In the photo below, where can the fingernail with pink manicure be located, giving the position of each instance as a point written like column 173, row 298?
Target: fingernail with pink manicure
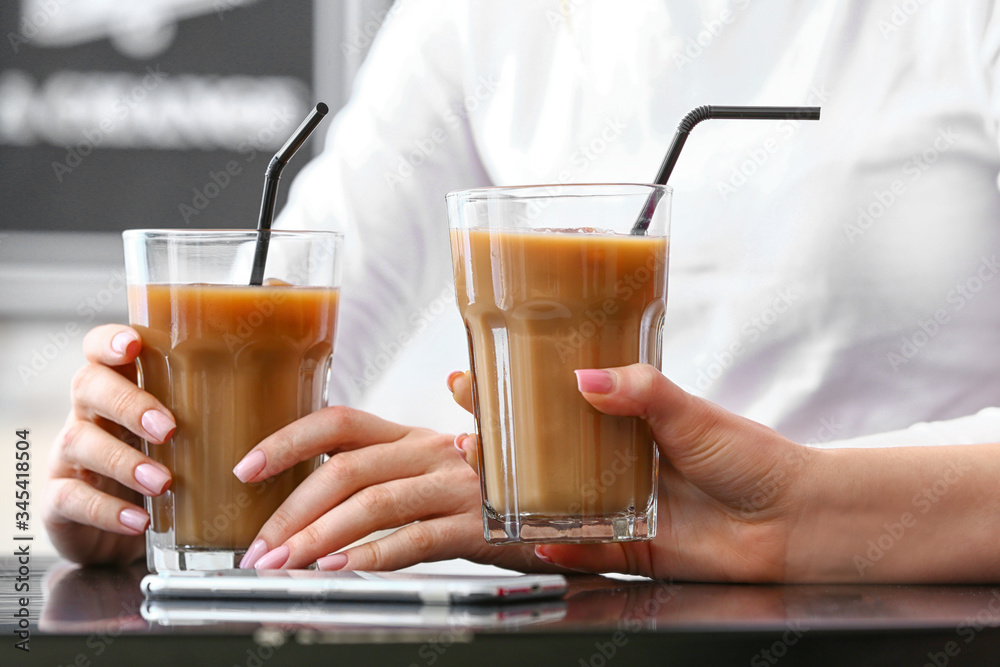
column 133, row 519
column 334, row 562
column 250, row 466
column 273, row 559
column 253, row 554
column 121, row 342
column 151, row 478
column 458, row 441
column 542, row 556
column 157, row 424
column 594, row 381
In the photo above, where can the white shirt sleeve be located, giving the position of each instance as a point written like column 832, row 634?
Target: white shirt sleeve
column 984, row 426
column 979, row 429
column 391, row 155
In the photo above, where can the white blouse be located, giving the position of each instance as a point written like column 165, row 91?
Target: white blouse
column 831, row 279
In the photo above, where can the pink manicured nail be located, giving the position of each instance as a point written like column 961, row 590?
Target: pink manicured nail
column 121, row 342
column 274, row 559
column 334, row 562
column 157, row 424
column 251, row 464
column 451, row 379
column 133, row 519
column 151, row 478
column 594, row 381
column 253, row 554
column 458, row 442
column 540, row 555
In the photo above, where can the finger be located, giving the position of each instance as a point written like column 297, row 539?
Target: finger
column 86, row 445
column 585, row 557
column 327, row 430
column 421, row 542
column 468, row 445
column 460, row 385
column 698, row 437
column 436, row 539
column 343, row 475
column 99, row 390
column 389, row 505
column 75, row 501
column 112, row 345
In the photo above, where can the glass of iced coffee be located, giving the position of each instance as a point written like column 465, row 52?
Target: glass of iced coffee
column 549, row 280
column 233, row 363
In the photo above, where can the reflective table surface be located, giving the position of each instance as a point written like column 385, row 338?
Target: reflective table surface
column 97, row 616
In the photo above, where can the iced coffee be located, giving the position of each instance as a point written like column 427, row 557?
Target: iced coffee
column 234, row 364
column 540, row 302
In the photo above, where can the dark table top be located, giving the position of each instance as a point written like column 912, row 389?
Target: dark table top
column 97, row 616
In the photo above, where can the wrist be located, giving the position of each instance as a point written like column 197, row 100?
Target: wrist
column 824, row 511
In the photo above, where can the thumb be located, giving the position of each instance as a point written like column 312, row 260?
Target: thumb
column 592, row 558
column 460, row 385
column 722, row 453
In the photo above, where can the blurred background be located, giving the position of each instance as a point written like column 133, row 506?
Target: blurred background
column 115, row 115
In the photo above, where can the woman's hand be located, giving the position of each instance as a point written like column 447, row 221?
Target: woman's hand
column 730, row 489
column 97, row 476
column 380, row 475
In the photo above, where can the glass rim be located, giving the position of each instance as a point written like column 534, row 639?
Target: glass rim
column 194, row 233
column 493, row 191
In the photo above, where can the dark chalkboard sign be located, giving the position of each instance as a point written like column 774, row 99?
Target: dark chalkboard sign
column 159, row 113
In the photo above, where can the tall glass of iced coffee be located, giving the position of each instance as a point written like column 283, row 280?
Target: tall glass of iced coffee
column 549, row 280
column 234, row 364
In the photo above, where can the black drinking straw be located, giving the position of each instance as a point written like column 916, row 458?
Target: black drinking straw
column 271, row 177
column 688, row 123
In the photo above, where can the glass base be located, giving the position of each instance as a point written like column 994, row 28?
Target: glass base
column 554, row 529
column 163, row 555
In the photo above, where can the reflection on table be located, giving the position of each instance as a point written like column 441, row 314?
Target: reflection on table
column 85, row 599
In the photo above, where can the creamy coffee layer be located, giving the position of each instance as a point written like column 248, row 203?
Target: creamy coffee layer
column 233, row 364
column 538, row 305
